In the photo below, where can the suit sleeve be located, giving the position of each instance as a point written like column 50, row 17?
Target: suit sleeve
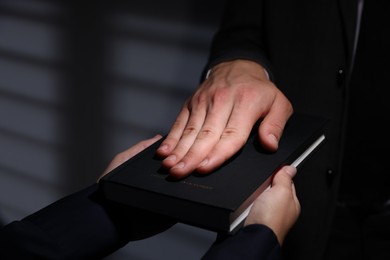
column 85, row 226
column 80, row 226
column 241, row 35
column 251, row 242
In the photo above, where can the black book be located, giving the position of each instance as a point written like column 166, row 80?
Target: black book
column 221, row 200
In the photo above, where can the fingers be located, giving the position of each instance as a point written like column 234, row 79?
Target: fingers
column 277, row 207
column 272, row 126
column 129, row 153
column 199, row 158
column 283, row 179
column 226, row 120
column 231, row 139
column 217, row 120
column 207, row 119
column 284, row 176
column 224, row 131
column 296, row 201
column 174, row 135
column 239, row 126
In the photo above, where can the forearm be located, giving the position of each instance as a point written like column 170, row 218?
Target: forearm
column 80, row 226
column 251, row 242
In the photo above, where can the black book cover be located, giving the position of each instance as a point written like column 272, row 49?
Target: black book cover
column 221, row 200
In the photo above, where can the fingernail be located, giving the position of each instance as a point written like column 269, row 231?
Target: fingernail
column 204, row 163
column 290, row 170
column 273, row 140
column 171, row 158
column 180, row 165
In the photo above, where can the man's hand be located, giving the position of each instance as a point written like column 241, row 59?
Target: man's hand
column 215, row 122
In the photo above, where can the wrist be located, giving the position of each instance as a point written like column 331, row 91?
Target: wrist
column 242, row 64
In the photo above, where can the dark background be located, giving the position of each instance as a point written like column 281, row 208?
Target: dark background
column 81, row 81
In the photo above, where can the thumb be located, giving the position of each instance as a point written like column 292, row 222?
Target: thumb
column 271, row 128
column 284, row 176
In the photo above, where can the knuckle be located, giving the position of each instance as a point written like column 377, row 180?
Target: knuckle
column 236, row 140
column 190, row 130
column 221, row 95
column 198, row 99
column 234, row 134
column 206, row 132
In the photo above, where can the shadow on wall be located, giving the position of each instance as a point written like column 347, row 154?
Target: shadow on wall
column 121, row 57
column 80, row 82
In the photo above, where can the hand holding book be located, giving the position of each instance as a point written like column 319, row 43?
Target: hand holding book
column 277, row 207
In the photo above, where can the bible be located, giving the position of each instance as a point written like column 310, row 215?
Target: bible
column 221, row 200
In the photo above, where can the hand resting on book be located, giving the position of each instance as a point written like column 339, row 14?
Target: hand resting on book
column 215, row 122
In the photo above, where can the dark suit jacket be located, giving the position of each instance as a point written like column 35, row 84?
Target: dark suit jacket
column 82, row 225
column 85, row 226
column 307, row 47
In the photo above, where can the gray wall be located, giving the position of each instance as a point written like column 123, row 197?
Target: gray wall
column 82, row 82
